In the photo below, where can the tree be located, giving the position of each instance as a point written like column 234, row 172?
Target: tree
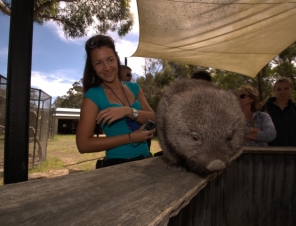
column 230, row 80
column 151, row 66
column 78, row 16
column 159, row 74
column 181, row 70
column 284, row 64
column 72, row 99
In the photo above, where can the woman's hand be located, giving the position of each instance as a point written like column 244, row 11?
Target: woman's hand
column 112, row 114
column 141, row 135
column 252, row 134
column 254, row 130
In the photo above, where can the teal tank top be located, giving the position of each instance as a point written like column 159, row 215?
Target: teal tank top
column 118, row 127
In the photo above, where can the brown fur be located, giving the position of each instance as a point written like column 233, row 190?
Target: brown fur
column 200, row 127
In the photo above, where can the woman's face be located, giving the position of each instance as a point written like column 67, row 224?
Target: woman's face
column 104, row 62
column 244, row 98
column 282, row 91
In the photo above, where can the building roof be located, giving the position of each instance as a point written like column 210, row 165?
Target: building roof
column 68, row 110
column 67, row 113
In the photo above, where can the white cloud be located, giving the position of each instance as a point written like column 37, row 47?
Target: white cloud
column 3, row 61
column 124, row 47
column 58, row 30
column 54, row 84
column 4, row 52
column 57, row 83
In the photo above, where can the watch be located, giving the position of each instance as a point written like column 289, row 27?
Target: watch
column 135, row 114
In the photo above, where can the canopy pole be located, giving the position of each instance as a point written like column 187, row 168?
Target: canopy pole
column 260, row 82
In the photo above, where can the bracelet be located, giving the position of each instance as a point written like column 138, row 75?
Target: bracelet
column 130, row 139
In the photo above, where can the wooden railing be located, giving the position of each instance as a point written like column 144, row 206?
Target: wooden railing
column 144, row 193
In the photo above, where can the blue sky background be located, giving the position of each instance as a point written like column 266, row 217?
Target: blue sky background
column 57, row 62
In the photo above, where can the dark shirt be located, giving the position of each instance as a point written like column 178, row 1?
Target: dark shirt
column 284, row 122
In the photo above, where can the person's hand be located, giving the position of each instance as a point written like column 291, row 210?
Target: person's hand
column 254, row 130
column 112, row 114
column 252, row 134
column 141, row 135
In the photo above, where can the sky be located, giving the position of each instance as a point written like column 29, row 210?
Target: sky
column 57, row 62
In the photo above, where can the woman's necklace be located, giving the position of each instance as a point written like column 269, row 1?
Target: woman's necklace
column 116, row 95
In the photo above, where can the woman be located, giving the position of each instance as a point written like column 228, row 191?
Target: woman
column 283, row 113
column 115, row 105
column 259, row 127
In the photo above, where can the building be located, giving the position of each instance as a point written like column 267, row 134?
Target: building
column 65, row 120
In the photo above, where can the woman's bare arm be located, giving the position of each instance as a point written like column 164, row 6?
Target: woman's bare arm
column 85, row 140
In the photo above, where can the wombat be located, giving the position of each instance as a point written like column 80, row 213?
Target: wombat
column 200, row 127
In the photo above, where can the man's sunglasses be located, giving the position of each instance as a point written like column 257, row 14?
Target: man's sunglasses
column 243, row 96
column 128, row 75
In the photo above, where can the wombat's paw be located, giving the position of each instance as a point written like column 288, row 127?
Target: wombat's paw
column 175, row 167
column 212, row 176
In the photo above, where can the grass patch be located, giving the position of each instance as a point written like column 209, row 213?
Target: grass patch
column 62, row 154
column 47, row 165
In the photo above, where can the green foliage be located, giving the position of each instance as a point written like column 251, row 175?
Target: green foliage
column 152, row 92
column 159, row 74
column 181, row 70
column 284, row 64
column 230, row 80
column 78, row 16
column 72, row 99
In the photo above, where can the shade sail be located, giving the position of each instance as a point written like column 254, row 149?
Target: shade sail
column 235, row 35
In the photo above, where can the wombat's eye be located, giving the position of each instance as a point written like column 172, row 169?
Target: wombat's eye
column 229, row 138
column 196, row 140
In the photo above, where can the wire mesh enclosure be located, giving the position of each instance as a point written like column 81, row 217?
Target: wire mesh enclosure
column 39, row 124
column 40, row 116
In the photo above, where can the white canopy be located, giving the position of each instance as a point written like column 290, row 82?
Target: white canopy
column 235, row 35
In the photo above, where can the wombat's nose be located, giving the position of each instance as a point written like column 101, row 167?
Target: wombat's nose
column 216, row 165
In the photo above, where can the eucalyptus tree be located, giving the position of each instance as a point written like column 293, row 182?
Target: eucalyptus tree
column 181, row 70
column 72, row 99
column 231, row 80
column 284, row 64
column 78, row 16
column 151, row 91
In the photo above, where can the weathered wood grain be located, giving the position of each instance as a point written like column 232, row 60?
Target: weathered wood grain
column 269, row 150
column 138, row 193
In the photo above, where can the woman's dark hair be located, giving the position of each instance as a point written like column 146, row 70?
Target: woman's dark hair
column 204, row 75
column 90, row 79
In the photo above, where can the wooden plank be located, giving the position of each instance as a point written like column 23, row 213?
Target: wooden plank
column 138, row 193
column 269, row 150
